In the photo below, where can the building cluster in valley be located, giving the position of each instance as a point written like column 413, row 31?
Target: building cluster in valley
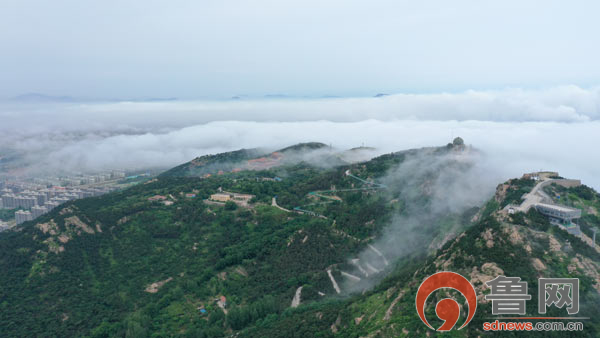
column 32, row 203
column 81, row 179
column 35, row 197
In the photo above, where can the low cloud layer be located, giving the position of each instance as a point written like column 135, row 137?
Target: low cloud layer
column 557, row 104
column 519, row 130
column 430, row 186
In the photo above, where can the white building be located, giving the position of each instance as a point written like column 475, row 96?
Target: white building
column 23, row 216
column 558, row 213
column 38, row 211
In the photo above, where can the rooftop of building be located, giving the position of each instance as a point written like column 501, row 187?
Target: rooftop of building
column 557, row 207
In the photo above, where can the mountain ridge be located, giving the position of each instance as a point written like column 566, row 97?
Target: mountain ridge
column 164, row 257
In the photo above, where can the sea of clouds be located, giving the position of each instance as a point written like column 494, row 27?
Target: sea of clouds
column 519, row 130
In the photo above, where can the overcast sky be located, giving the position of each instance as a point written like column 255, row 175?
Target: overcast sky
column 217, row 49
column 517, row 79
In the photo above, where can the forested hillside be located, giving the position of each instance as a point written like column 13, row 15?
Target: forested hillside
column 167, row 258
column 523, row 245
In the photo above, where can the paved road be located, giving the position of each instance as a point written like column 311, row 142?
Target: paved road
column 536, row 195
column 274, row 203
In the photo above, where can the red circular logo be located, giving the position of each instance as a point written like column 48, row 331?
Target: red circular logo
column 446, row 309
